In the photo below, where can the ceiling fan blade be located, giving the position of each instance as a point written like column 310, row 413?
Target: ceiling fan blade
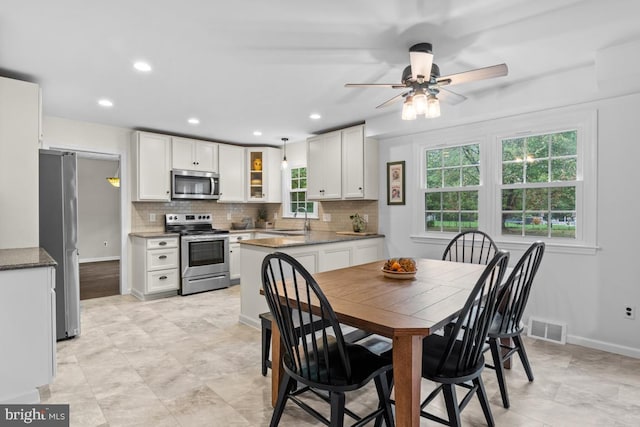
column 421, row 58
column 473, row 75
column 392, row 100
column 389, row 85
column 450, row 97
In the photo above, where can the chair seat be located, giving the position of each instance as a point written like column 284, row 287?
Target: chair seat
column 364, row 366
column 509, row 330
column 433, row 347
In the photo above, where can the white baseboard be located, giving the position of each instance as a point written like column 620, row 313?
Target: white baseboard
column 106, row 258
column 604, row 346
column 249, row 321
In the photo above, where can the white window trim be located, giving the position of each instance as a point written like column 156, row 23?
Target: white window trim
column 286, row 190
column 489, row 205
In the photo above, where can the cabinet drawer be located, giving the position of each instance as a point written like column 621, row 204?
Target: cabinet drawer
column 233, row 238
column 162, row 280
column 160, row 243
column 159, row 259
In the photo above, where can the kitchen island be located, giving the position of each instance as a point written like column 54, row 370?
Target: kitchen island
column 317, row 251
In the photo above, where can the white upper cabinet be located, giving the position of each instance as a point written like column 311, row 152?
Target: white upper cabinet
column 232, row 173
column 324, row 166
column 359, row 165
column 152, row 167
column 264, row 175
column 195, row 155
column 342, row 164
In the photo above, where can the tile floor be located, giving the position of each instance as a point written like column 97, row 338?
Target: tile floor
column 186, row 361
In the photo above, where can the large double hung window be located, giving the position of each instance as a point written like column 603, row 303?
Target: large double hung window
column 452, row 183
column 522, row 179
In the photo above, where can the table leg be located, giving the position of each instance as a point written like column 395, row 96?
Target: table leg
column 407, row 373
column 276, row 362
column 507, row 342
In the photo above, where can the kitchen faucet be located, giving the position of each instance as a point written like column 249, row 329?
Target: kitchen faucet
column 307, row 224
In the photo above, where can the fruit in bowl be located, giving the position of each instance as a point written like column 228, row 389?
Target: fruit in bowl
column 400, row 265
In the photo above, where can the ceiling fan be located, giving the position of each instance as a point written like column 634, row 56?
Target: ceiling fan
column 424, row 83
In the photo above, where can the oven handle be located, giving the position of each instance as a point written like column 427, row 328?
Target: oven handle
column 206, row 237
column 219, row 276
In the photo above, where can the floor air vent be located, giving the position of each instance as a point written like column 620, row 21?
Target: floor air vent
column 546, row 330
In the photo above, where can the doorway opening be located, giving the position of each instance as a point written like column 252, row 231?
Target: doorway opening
column 99, row 225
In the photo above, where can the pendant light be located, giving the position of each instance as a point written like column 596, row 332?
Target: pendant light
column 284, row 163
column 115, row 180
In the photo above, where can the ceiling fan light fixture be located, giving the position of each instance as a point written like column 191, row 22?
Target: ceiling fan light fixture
column 433, row 107
column 420, row 102
column 408, row 112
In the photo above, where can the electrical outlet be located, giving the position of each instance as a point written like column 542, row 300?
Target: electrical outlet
column 275, row 215
column 326, row 217
column 629, row 312
column 106, row 243
column 152, row 218
column 366, row 217
column 228, row 216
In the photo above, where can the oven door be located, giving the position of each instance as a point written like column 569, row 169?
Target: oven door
column 204, row 254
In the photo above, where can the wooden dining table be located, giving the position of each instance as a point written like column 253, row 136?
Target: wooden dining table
column 404, row 310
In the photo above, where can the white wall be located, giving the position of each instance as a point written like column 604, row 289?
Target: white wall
column 85, row 136
column 98, row 210
column 19, row 132
column 588, row 292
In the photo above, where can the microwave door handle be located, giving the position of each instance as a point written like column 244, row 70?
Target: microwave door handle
column 213, row 186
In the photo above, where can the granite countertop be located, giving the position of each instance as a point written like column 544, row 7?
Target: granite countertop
column 152, row 234
column 14, row 259
column 313, row 238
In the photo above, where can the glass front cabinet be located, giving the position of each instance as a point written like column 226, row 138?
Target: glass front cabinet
column 265, row 175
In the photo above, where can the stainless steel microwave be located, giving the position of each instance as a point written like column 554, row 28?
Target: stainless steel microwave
column 194, row 185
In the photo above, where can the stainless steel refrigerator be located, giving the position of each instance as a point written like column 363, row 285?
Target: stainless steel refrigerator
column 59, row 234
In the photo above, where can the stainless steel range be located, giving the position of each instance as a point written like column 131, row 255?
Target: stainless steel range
column 204, row 252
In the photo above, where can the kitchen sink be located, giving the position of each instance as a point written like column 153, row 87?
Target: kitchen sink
column 290, row 232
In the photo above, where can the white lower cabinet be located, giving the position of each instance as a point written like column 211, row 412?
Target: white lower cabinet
column 28, row 331
column 234, row 255
column 156, row 265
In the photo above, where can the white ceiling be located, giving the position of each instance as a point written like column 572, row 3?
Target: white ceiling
column 244, row 65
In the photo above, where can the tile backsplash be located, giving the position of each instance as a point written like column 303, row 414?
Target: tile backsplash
column 141, row 213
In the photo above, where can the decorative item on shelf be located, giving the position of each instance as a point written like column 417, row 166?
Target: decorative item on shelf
column 358, row 222
column 257, row 164
column 284, row 163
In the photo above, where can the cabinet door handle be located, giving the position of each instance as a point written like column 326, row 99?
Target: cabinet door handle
column 163, row 243
column 162, row 257
column 360, row 188
column 162, row 278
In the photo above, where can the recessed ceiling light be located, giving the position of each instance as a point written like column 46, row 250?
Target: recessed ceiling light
column 142, row 66
column 257, row 133
column 315, row 116
column 105, row 103
column 194, row 121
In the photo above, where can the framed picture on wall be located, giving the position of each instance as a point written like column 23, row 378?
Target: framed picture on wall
column 395, row 183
